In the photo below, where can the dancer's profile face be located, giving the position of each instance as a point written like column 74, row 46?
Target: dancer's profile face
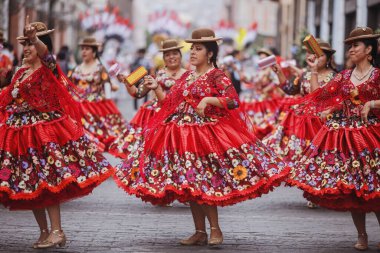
column 358, row 51
column 87, row 53
column 30, row 52
column 198, row 54
column 172, row 59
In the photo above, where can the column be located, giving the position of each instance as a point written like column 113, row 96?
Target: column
column 325, row 20
column 311, row 17
column 338, row 31
column 361, row 12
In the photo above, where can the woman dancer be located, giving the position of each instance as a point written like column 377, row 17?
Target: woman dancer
column 340, row 169
column 197, row 149
column 264, row 106
column 100, row 116
column 295, row 132
column 166, row 77
column 45, row 159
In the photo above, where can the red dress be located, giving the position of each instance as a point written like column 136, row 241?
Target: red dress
column 45, row 158
column 132, row 135
column 212, row 160
column 341, row 167
column 101, row 119
column 295, row 131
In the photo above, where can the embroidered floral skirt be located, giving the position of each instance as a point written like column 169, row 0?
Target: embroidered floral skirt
column 102, row 121
column 293, row 135
column 214, row 163
column 263, row 114
column 45, row 160
column 131, row 137
column 340, row 169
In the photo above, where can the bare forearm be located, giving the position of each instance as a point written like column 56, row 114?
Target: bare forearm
column 213, row 101
column 159, row 93
column 314, row 81
column 40, row 47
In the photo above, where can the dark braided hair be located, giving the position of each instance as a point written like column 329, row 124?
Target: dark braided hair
column 214, row 48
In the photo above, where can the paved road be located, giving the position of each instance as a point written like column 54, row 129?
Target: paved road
column 110, row 221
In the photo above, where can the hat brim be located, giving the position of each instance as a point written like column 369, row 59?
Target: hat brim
column 90, row 44
column 328, row 49
column 264, row 52
column 369, row 36
column 170, row 48
column 38, row 34
column 203, row 40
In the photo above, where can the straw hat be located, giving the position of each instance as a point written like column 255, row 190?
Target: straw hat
column 90, row 42
column 264, row 51
column 41, row 30
column 202, row 35
column 360, row 33
column 325, row 46
column 168, row 45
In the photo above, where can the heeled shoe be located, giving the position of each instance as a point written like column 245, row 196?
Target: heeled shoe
column 56, row 238
column 43, row 231
column 362, row 243
column 195, row 239
column 216, row 240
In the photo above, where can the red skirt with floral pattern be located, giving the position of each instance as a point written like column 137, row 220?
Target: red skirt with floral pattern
column 340, row 169
column 45, row 160
column 208, row 161
column 293, row 136
column 102, row 121
column 131, row 137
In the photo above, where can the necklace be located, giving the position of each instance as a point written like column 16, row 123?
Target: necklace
column 172, row 74
column 361, row 78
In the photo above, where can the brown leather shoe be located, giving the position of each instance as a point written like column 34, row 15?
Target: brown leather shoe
column 214, row 241
column 199, row 238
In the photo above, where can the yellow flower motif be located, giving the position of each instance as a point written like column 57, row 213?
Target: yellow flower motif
column 355, row 164
column 104, row 76
column 93, row 158
column 335, row 126
column 73, row 158
column 240, row 172
column 50, row 160
column 45, row 115
column 372, row 163
column 218, row 194
column 89, row 152
column 99, row 131
column 134, row 172
column 154, row 173
column 129, row 138
column 329, row 116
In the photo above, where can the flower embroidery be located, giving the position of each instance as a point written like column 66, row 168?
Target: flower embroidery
column 240, row 172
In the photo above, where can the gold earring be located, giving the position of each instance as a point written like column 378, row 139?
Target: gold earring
column 208, row 60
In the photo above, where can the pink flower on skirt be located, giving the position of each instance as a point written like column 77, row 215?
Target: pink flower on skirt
column 5, row 174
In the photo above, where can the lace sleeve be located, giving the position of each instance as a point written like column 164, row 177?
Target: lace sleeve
column 292, row 87
column 49, row 61
column 328, row 97
column 226, row 92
